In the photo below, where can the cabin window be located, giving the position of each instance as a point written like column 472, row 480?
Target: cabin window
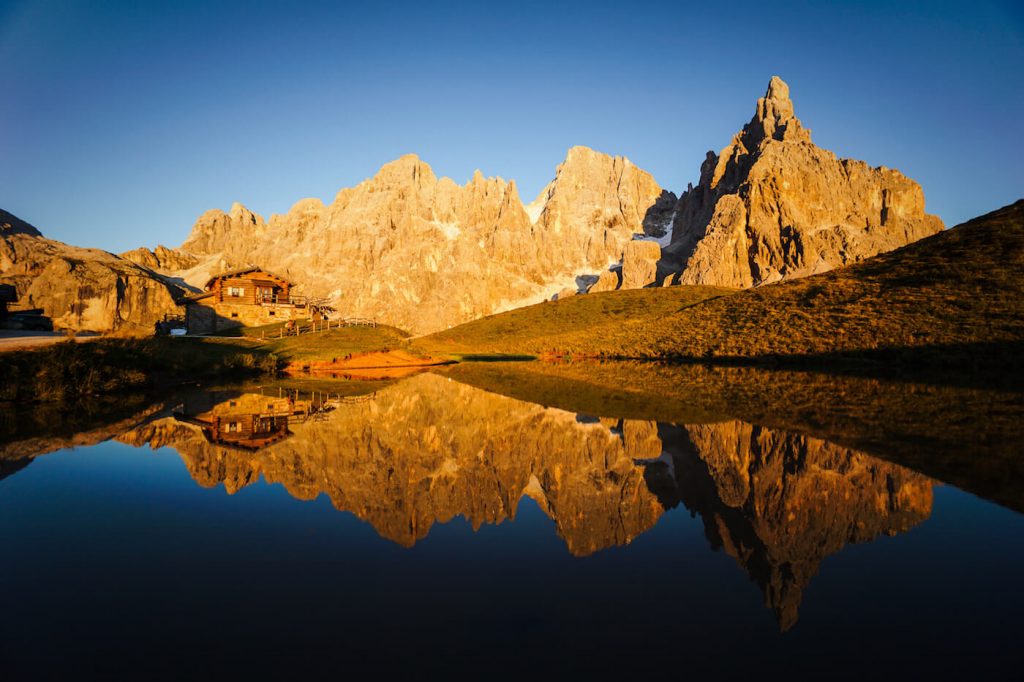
column 236, row 292
column 272, row 313
column 234, row 314
column 232, row 404
column 232, row 427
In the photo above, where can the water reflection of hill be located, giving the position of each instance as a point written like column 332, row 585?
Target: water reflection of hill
column 949, row 427
column 429, row 449
column 779, row 503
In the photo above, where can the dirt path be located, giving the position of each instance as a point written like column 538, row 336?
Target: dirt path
column 20, row 340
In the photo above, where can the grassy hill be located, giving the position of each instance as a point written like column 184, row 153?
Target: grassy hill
column 955, row 297
column 336, row 343
column 547, row 326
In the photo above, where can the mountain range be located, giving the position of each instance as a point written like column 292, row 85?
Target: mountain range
column 424, row 253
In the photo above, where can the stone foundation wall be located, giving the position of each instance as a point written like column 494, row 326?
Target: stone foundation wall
column 209, row 318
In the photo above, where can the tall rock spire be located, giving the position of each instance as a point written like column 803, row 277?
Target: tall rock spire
column 774, row 206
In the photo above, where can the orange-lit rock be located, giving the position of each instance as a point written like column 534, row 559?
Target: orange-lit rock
column 772, row 205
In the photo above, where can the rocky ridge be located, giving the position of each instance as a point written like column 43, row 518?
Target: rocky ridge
column 424, row 253
column 81, row 289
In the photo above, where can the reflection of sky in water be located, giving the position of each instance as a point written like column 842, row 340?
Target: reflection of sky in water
column 112, row 552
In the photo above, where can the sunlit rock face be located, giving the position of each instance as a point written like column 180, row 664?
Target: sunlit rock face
column 161, row 258
column 779, row 503
column 772, row 205
column 423, row 253
column 81, row 289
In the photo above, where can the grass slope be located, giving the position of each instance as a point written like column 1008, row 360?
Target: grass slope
column 336, row 343
column 956, row 296
column 550, row 326
column 70, row 371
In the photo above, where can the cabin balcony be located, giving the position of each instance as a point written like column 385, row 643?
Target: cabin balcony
column 282, row 300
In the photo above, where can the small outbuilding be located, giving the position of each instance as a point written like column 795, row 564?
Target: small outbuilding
column 8, row 294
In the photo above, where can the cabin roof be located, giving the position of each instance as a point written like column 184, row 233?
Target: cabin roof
column 245, row 271
column 192, row 298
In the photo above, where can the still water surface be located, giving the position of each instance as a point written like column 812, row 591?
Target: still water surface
column 430, row 525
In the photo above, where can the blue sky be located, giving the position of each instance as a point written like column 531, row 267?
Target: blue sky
column 121, row 122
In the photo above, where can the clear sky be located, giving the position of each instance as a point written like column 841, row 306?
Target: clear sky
column 121, row 122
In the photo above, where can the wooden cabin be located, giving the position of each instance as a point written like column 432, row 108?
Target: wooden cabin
column 250, row 286
column 248, row 297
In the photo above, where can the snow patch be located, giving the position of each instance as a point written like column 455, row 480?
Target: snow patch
column 450, row 230
column 535, row 208
column 548, row 291
column 665, row 239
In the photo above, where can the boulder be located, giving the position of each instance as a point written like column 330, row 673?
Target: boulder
column 82, row 289
column 640, row 264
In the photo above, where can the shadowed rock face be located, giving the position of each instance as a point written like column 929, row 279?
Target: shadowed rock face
column 423, row 253
column 427, row 450
column 81, row 289
column 772, row 205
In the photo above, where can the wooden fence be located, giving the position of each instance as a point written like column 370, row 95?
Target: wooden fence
column 317, row 327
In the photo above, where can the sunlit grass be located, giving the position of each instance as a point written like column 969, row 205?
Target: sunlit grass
column 337, row 343
column 938, row 299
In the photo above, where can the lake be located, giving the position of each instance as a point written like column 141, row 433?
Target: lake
column 512, row 519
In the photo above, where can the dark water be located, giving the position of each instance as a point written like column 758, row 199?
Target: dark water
column 430, row 526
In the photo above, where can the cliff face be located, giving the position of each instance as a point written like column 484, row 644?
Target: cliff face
column 423, row 253
column 81, row 289
column 774, row 206
column 595, row 206
column 426, row 450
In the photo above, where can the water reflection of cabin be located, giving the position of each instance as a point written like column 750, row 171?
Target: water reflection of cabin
column 249, row 422
column 246, row 297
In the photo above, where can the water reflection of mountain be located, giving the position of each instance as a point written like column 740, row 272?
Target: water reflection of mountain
column 429, row 449
column 779, row 503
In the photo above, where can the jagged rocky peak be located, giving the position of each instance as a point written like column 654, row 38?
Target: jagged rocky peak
column 774, row 206
column 218, row 232
column 775, row 118
column 609, row 197
column 407, row 169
